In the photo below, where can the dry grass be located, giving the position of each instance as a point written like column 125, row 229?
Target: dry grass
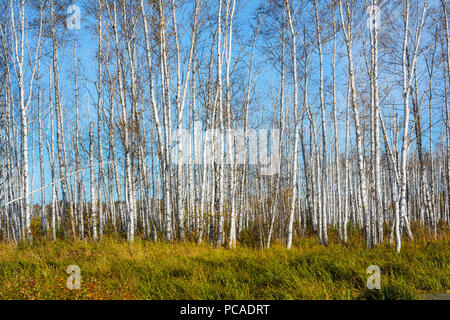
column 114, row 269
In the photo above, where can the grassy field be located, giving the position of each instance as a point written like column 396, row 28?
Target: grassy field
column 113, row 269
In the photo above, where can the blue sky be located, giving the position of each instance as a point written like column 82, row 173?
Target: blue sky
column 267, row 79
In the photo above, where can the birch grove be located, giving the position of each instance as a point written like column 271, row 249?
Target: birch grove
column 225, row 121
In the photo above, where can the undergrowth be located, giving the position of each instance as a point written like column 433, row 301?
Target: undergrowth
column 114, row 269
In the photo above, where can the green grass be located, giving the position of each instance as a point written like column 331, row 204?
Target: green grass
column 114, row 269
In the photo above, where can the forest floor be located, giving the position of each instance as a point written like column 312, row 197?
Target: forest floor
column 114, row 269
